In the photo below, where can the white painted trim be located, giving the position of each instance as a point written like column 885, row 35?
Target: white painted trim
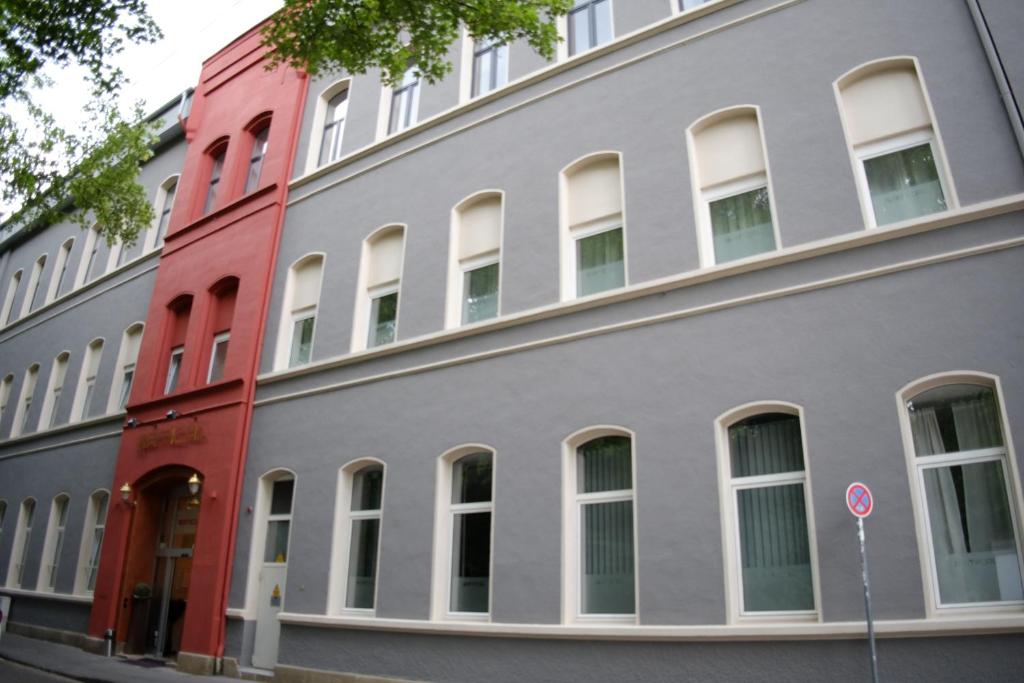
column 46, row 413
column 117, row 384
column 921, row 519
column 257, row 543
column 441, row 568
column 12, row 291
column 563, row 32
column 764, row 631
column 572, row 537
column 33, row 286
column 457, row 267
column 320, row 118
column 338, row 574
column 159, row 204
column 467, row 46
column 88, row 528
column 282, row 352
column 866, row 70
column 19, row 544
column 569, row 234
column 61, row 262
column 31, row 377
column 78, row 406
column 361, row 315
column 762, row 261
column 50, row 554
column 61, row 597
column 82, row 274
column 727, row 487
column 561, row 65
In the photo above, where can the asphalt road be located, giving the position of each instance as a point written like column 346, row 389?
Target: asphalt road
column 16, row 673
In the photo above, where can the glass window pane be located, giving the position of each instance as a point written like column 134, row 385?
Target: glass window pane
column 367, row 486
column 471, row 562
column 741, row 225
column 972, row 533
column 766, row 444
column 774, row 550
column 362, row 565
column 281, row 497
column 600, row 263
column 904, row 185
column 259, row 153
column 500, row 68
column 608, row 581
column 383, row 313
column 220, row 356
column 94, row 559
column 482, row 71
column 606, row 464
column 302, row 341
column 579, row 31
column 126, row 386
column 481, row 294
column 276, row 549
column 954, row 418
column 471, row 479
column 602, row 21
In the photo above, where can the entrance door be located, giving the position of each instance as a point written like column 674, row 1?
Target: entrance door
column 172, row 576
column 273, row 572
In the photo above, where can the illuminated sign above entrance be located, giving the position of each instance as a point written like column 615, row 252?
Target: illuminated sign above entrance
column 174, row 436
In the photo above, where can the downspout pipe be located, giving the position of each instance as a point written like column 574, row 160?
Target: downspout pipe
column 995, row 63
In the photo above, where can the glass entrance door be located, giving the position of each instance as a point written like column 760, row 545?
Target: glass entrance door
column 172, row 576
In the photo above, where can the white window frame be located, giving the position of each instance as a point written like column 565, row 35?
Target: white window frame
column 569, row 235
column 728, row 486
column 6, row 384
column 572, row 536
column 261, row 516
column 22, row 541
column 562, row 24
column 337, row 587
column 53, row 544
column 93, row 523
column 154, row 240
column 893, row 143
column 457, row 268
column 3, row 519
column 444, row 515
column 703, row 197
column 365, row 295
column 34, row 283
column 89, row 251
column 124, row 363
column 51, row 399
column 177, row 352
column 387, row 94
column 915, row 467
column 25, row 397
column 320, row 121
column 218, row 339
column 291, row 315
column 12, row 292
column 85, row 390
column 60, row 268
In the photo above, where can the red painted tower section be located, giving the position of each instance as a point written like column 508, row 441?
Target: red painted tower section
column 191, row 403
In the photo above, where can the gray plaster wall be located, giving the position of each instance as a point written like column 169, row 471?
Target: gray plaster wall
column 442, row 659
column 50, row 613
column 639, row 101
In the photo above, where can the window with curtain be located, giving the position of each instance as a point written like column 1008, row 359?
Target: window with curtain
column 768, row 487
column 475, row 260
column 594, row 256
column 377, row 305
column 590, row 24
column 470, row 523
column 301, row 310
column 731, row 175
column 892, row 136
column 367, row 489
column 961, row 462
column 334, row 128
column 92, row 543
column 54, row 543
column 279, row 520
column 604, row 500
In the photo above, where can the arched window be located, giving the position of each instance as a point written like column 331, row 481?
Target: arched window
column 590, row 25
column 53, row 543
column 216, row 155
column 5, row 394
column 225, row 293
column 474, row 260
column 732, row 190
column 83, row 406
column 405, row 101
column 88, row 258
column 60, row 269
column 764, row 483
column 462, row 558
column 181, row 311
column 163, row 206
column 124, row 375
column 34, row 281
column 24, row 407
column 599, row 555
column 3, row 515
column 298, row 320
column 331, row 112
column 260, row 132
column 966, row 491
column 22, row 540
column 12, row 291
column 92, row 543
column 380, row 274
column 897, row 153
column 357, row 538
column 50, row 414
column 593, row 243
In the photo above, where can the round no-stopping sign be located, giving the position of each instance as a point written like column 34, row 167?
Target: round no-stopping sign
column 859, row 499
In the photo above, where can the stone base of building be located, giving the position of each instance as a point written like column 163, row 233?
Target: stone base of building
column 193, row 663
column 297, row 674
column 80, row 640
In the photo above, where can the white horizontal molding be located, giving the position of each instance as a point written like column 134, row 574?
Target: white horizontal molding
column 897, row 628
column 58, row 597
column 238, row 613
column 77, row 426
column 832, row 245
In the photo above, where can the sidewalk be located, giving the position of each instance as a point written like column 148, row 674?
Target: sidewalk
column 69, row 661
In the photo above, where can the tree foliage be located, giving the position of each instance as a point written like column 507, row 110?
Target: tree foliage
column 88, row 174
column 357, row 35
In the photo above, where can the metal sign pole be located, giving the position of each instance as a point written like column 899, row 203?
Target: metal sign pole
column 867, row 600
